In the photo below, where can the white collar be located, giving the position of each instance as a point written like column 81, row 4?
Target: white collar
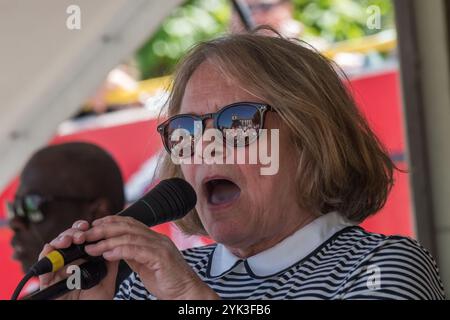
column 284, row 254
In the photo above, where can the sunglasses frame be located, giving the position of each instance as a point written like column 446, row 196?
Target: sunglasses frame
column 23, row 213
column 260, row 107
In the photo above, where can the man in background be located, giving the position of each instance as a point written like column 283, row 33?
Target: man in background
column 279, row 14
column 59, row 185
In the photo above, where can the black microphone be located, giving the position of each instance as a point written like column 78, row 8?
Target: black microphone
column 171, row 199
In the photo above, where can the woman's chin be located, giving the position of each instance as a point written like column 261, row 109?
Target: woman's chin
column 226, row 232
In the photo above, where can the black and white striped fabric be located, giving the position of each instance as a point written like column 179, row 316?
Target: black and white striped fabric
column 351, row 264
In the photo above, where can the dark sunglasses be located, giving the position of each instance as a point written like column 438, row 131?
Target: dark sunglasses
column 242, row 120
column 31, row 207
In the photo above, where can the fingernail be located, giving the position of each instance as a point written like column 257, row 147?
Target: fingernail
column 79, row 224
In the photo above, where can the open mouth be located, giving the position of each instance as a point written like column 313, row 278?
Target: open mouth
column 221, row 191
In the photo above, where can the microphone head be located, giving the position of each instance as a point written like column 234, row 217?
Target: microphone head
column 169, row 200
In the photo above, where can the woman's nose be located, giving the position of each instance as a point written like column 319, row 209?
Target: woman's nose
column 208, row 123
column 211, row 144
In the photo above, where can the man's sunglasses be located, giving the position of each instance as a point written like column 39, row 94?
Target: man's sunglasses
column 242, row 121
column 264, row 6
column 30, row 207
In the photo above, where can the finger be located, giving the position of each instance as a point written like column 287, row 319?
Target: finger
column 47, row 249
column 45, row 278
column 116, row 218
column 82, row 225
column 132, row 253
column 114, row 229
column 66, row 238
column 72, row 232
column 106, row 219
column 109, row 244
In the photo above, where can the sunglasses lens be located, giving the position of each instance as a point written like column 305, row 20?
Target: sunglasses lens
column 240, row 124
column 180, row 135
column 35, row 216
column 32, row 208
column 26, row 208
column 32, row 203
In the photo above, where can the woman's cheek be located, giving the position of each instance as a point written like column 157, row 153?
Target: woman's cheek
column 188, row 173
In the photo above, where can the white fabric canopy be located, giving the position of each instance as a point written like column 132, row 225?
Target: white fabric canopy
column 48, row 70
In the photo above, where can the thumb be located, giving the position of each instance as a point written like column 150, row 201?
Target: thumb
column 45, row 279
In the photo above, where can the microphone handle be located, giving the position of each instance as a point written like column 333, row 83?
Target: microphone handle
column 91, row 273
column 75, row 252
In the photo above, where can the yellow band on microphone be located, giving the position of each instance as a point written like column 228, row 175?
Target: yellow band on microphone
column 56, row 259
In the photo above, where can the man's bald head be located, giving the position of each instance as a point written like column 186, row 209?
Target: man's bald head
column 74, row 169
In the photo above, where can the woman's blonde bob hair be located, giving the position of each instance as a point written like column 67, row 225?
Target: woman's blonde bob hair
column 342, row 166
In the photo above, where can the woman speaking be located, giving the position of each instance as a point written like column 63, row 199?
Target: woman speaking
column 292, row 234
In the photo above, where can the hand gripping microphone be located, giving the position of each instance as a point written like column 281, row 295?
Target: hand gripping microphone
column 91, row 273
column 170, row 200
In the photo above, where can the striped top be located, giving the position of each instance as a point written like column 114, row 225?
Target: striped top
column 316, row 262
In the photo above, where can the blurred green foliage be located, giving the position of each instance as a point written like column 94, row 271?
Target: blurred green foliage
column 197, row 20
column 194, row 21
column 338, row 20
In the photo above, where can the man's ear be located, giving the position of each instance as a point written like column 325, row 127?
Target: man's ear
column 99, row 209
